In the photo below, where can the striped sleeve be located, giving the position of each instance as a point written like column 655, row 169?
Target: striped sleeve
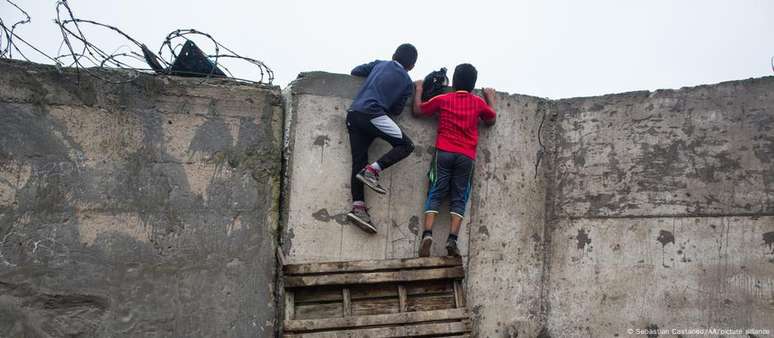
column 486, row 112
column 432, row 106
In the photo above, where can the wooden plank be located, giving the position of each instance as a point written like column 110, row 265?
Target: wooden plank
column 402, row 298
column 376, row 320
column 319, row 294
column 375, row 277
column 371, row 291
column 319, row 310
column 415, row 330
column 459, row 294
column 429, row 287
column 375, row 306
column 372, row 265
column 289, row 305
column 347, row 302
column 429, row 303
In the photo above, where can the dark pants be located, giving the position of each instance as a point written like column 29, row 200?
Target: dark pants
column 450, row 173
column 362, row 132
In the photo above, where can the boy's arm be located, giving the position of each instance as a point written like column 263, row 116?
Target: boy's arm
column 421, row 109
column 364, row 69
column 416, row 107
column 489, row 116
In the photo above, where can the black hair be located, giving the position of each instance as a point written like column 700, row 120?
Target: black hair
column 465, row 76
column 406, row 55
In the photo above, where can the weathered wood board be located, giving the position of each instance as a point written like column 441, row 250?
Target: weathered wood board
column 377, row 298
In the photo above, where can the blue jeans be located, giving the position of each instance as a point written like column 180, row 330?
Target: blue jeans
column 450, row 174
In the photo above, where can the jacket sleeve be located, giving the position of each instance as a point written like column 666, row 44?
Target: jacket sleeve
column 400, row 103
column 364, row 69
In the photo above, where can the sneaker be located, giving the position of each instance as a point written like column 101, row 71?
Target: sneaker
column 451, row 247
column 425, row 245
column 371, row 179
column 360, row 217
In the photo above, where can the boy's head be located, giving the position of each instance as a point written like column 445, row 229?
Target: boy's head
column 406, row 55
column 465, row 76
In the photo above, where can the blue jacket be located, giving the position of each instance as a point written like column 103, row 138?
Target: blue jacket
column 385, row 90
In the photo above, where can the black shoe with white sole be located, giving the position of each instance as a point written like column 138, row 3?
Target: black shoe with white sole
column 371, row 179
column 360, row 217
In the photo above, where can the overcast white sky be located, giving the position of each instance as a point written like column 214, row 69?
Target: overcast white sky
column 551, row 49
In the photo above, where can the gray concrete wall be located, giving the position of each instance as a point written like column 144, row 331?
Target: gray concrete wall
column 150, row 207
column 142, row 208
column 502, row 239
column 664, row 211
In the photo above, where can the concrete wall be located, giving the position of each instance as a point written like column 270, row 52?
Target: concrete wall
column 141, row 208
column 664, row 211
column 501, row 239
column 649, row 209
column 149, row 206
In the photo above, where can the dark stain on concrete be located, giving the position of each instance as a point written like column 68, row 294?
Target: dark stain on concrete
column 322, row 140
column 71, row 315
column 583, row 239
column 322, row 215
column 596, row 107
column 483, row 230
column 487, row 155
column 535, row 237
column 27, row 135
column 768, row 238
column 665, row 237
column 212, row 136
column 413, row 225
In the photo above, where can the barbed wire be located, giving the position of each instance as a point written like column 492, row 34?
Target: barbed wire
column 221, row 51
column 87, row 56
column 8, row 38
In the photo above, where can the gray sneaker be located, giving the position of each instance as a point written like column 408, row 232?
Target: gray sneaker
column 451, row 247
column 371, row 179
column 425, row 245
column 361, row 218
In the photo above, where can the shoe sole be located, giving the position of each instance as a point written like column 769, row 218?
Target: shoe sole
column 361, row 224
column 370, row 184
column 454, row 252
column 424, row 247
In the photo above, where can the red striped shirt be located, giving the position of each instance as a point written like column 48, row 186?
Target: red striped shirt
column 458, row 115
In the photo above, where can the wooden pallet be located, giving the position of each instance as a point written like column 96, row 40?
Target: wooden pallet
column 380, row 298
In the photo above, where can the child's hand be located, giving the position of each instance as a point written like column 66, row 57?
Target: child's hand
column 489, row 96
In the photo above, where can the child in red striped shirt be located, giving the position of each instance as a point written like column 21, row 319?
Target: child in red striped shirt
column 451, row 171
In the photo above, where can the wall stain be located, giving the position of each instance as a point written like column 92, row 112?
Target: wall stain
column 768, row 238
column 665, row 237
column 483, row 230
column 322, row 215
column 322, row 141
column 487, row 155
column 583, row 239
column 413, row 225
